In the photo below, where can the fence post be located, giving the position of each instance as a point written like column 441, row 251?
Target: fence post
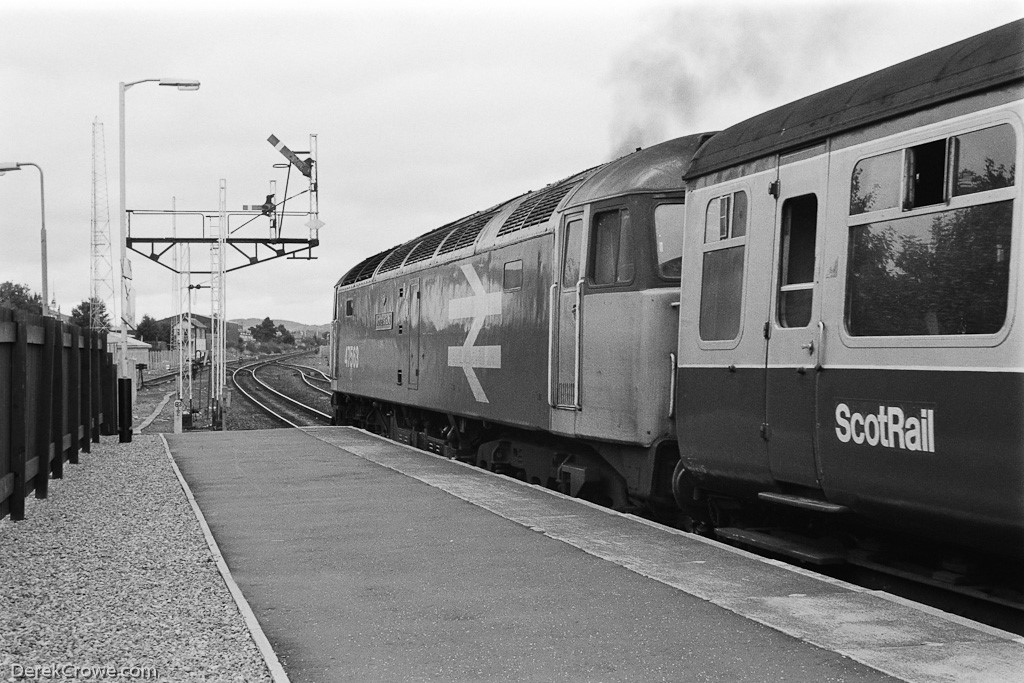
column 44, row 416
column 7, row 338
column 19, row 396
column 109, row 401
column 111, row 379
column 57, row 400
column 85, row 391
column 74, row 395
column 94, row 386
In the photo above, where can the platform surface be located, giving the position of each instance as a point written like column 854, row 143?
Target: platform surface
column 369, row 561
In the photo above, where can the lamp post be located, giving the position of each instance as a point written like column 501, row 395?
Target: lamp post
column 124, row 381
column 16, row 166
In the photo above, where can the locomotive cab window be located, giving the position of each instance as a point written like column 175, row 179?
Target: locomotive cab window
column 945, row 271
column 668, row 231
column 350, row 307
column 572, row 243
column 721, row 289
column 611, row 249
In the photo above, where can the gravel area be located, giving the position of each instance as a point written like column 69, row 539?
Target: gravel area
column 112, row 570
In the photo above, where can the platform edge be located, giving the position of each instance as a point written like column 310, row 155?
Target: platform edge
column 274, row 666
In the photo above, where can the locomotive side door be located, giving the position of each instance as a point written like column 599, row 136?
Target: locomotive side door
column 794, row 329
column 408, row 330
column 413, row 328
column 566, row 312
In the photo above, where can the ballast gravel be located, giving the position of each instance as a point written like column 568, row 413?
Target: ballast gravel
column 112, row 572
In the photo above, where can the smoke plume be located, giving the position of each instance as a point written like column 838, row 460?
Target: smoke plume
column 701, row 68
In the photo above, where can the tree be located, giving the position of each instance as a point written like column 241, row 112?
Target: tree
column 264, row 332
column 21, row 298
column 149, row 330
column 284, row 336
column 82, row 314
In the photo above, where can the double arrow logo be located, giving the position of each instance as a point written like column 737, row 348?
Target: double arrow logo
column 469, row 356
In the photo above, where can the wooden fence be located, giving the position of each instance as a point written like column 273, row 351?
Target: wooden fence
column 58, row 394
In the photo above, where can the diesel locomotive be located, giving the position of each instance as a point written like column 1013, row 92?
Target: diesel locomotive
column 802, row 322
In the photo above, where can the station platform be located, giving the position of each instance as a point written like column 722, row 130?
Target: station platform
column 365, row 560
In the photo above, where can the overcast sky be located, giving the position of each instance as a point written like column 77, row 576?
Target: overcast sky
column 424, row 112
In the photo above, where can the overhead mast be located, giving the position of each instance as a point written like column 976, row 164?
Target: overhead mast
column 217, row 233
column 218, row 300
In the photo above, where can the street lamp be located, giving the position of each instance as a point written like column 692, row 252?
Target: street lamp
column 16, row 166
column 124, row 381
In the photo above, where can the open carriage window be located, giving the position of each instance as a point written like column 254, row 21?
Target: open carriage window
column 944, row 272
column 926, row 174
column 936, row 171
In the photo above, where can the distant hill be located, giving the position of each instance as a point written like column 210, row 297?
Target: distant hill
column 293, row 327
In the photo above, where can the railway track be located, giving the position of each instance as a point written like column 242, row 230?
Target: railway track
column 171, row 376
column 283, row 408
column 313, row 378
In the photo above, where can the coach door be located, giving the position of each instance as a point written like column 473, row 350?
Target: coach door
column 567, row 297
column 795, row 331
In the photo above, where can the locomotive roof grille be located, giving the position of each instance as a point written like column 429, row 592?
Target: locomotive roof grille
column 394, row 261
column 535, row 209
column 633, row 174
column 365, row 269
column 429, row 243
column 466, row 233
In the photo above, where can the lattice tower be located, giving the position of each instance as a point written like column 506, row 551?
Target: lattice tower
column 101, row 267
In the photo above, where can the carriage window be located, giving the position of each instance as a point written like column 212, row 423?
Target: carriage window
column 572, row 243
column 726, row 217
column 938, row 274
column 875, row 184
column 978, row 161
column 984, row 160
column 611, row 248
column 720, row 294
column 722, row 271
column 796, row 260
column 668, row 230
